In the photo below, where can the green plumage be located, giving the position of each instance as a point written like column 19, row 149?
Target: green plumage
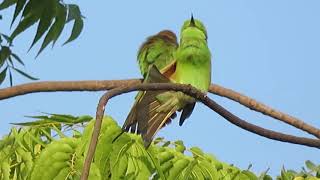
column 157, row 50
column 193, row 58
column 161, row 60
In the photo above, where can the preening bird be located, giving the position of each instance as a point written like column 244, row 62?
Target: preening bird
column 162, row 60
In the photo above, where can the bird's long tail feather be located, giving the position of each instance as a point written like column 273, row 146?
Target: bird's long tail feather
column 144, row 118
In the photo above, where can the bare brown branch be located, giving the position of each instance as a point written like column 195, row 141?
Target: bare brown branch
column 54, row 86
column 187, row 89
column 264, row 109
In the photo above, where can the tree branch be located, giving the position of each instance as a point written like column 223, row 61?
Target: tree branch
column 54, row 86
column 189, row 90
column 264, row 109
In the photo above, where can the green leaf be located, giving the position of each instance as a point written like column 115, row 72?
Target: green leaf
column 156, row 164
column 16, row 57
column 6, row 141
column 10, row 78
column 177, row 168
column 55, row 119
column 250, row 175
column 179, row 146
column 73, row 12
column 76, row 30
column 265, row 176
column 33, row 7
column 166, row 144
column 18, row 9
column 31, row 14
column 310, row 165
column 24, row 24
column 4, row 54
column 35, row 123
column 7, row 3
column 3, row 75
column 10, row 61
column 24, row 74
column 56, row 28
column 60, row 22
column 38, row 117
column 158, row 140
column 8, row 39
column 82, row 119
column 197, row 152
column 46, row 19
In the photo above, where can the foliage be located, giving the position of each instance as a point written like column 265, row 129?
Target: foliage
column 53, row 147
column 51, row 16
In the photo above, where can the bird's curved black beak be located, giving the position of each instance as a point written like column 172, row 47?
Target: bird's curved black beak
column 192, row 23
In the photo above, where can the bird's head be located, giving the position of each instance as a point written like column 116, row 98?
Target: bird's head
column 194, row 27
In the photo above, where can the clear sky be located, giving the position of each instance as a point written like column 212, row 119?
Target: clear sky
column 268, row 50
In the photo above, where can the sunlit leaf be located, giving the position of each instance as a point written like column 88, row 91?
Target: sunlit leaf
column 24, row 74
column 55, row 118
column 35, row 123
column 83, row 119
column 197, row 152
column 310, row 165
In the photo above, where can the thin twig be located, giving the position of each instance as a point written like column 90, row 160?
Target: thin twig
column 54, row 86
column 187, row 89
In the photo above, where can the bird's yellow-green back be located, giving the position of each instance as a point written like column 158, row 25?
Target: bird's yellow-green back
column 157, row 50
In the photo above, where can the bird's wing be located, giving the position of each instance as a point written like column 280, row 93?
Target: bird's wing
column 144, row 118
column 157, row 50
column 149, row 119
column 131, row 122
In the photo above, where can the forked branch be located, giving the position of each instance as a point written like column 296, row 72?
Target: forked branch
column 187, row 89
column 67, row 86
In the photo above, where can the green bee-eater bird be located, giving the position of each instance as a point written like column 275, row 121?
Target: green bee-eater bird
column 162, row 60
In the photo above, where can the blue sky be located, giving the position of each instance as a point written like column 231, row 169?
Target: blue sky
column 268, row 50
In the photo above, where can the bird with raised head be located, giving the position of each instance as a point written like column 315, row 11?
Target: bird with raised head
column 162, row 60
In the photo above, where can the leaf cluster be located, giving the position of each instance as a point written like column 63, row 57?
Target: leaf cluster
column 54, row 147
column 51, row 16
